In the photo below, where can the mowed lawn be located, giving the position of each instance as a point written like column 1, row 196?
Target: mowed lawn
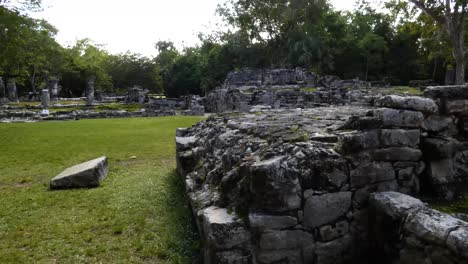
column 139, row 214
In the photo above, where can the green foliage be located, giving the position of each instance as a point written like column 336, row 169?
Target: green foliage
column 138, row 215
column 397, row 45
column 309, row 89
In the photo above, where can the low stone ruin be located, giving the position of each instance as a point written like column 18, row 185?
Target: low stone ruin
column 137, row 94
column 405, row 230
column 45, row 98
column 193, row 105
column 54, row 89
column 255, row 78
column 90, row 91
column 281, row 88
column 12, row 91
column 88, row 174
column 2, row 92
column 293, row 185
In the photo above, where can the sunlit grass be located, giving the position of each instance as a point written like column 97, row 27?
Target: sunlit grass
column 138, row 215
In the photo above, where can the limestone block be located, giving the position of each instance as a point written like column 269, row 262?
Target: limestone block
column 393, row 204
column 415, row 103
column 265, row 222
column 396, row 154
column 431, row 226
column 399, row 118
column 400, row 138
column 372, row 172
column 88, row 174
column 222, row 230
column 324, row 209
column 274, row 188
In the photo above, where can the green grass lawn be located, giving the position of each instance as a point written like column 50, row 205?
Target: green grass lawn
column 138, row 215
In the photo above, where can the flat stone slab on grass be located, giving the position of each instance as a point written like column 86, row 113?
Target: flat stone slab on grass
column 88, row 174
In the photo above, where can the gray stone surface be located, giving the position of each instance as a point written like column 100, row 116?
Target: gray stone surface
column 223, row 229
column 440, row 124
column 274, row 188
column 324, row 209
column 288, row 239
column 266, row 222
column 400, row 138
column 54, row 89
column 45, row 99
column 450, row 92
column 399, row 118
column 393, row 204
column 88, row 174
column 431, row 226
column 372, row 172
column 458, row 240
column 90, row 91
column 334, row 252
column 12, row 91
column 396, row 154
column 2, row 90
column 415, row 103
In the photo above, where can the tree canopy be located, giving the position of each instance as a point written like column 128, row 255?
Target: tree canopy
column 410, row 39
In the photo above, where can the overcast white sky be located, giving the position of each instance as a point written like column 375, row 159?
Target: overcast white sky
column 135, row 25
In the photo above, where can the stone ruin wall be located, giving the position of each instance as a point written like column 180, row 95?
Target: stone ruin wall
column 293, row 186
column 279, row 89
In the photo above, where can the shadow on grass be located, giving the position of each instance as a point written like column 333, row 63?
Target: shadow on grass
column 186, row 233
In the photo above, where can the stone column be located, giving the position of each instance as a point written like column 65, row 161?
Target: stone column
column 53, row 90
column 45, row 98
column 12, row 91
column 2, row 91
column 90, row 91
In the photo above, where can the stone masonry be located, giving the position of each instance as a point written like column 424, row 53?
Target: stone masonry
column 293, row 186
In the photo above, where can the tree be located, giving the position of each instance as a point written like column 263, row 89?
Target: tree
column 21, row 4
column 449, row 14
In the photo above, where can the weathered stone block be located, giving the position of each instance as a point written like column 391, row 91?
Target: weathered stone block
column 393, row 204
column 325, row 209
column 288, row 239
column 396, row 154
column 293, row 256
column 334, row 252
column 440, row 124
column 273, row 188
column 185, row 143
column 88, row 174
column 373, row 172
column 455, row 106
column 400, row 138
column 329, row 233
column 357, row 141
column 431, row 226
column 399, row 118
column 441, row 171
column 458, row 241
column 230, row 257
column 415, row 103
column 454, row 91
column 265, row 222
column 222, row 230
column 438, row 148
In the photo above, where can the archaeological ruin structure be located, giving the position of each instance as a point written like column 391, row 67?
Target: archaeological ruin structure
column 334, row 182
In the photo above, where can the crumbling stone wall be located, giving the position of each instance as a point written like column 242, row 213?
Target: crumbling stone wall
column 293, row 186
column 248, row 78
column 405, row 230
column 280, row 88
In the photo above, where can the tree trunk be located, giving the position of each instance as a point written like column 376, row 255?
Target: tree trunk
column 367, row 69
column 32, row 81
column 459, row 55
column 457, row 37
